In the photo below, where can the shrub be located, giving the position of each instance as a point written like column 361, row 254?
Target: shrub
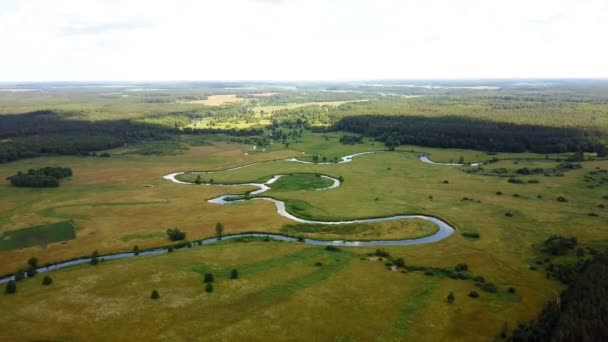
column 559, row 245
column 234, row 274
column 562, row 199
column 446, row 182
column 489, row 287
column 451, row 297
column 470, row 235
column 11, row 287
column 94, row 258
column 209, row 287
column 33, row 262
column 507, row 214
column 318, row 264
column 175, row 234
column 209, row 278
column 170, row 249
column 461, row 268
column 19, row 275
column 473, row 294
column 399, row 262
column 136, row 250
column 154, row 295
column 511, row 289
column 515, row 181
column 332, row 248
column 47, row 280
column 382, row 253
column 479, row 279
column 499, row 193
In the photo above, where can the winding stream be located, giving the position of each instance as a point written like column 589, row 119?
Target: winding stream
column 444, row 231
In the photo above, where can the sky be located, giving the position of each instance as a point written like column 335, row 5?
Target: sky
column 339, row 40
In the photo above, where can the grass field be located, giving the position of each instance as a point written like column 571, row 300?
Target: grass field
column 122, row 201
column 37, row 236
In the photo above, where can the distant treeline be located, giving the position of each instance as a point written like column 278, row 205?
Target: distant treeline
column 581, row 311
column 461, row 132
column 46, row 132
column 46, row 177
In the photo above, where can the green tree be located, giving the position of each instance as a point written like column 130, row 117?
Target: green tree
column 11, row 287
column 136, row 250
column 461, row 160
column 219, row 230
column 154, row 295
column 209, row 287
column 234, row 274
column 47, row 280
column 33, row 261
column 19, row 275
column 209, row 278
column 198, row 180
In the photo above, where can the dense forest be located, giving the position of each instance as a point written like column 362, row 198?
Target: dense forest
column 46, row 132
column 580, row 313
column 460, row 132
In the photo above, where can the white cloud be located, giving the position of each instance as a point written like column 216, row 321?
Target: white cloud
column 274, row 39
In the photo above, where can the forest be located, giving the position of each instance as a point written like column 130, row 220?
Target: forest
column 579, row 314
column 461, row 132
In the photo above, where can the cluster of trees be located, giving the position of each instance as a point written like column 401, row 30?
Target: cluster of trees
column 21, row 274
column 45, row 177
column 348, row 139
column 461, row 132
column 578, row 314
column 559, row 245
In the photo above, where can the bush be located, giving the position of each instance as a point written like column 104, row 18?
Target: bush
column 47, row 280
column 331, row 248
column 451, row 297
column 473, row 294
column 382, row 253
column 154, row 295
column 234, row 274
column 175, row 234
column 94, row 258
column 479, row 279
column 559, row 245
column 470, row 235
column 511, row 289
column 562, row 199
column 136, row 250
column 209, row 287
column 399, row 262
column 11, row 287
column 461, row 268
column 499, row 193
column 488, row 287
column 508, row 214
column 209, row 278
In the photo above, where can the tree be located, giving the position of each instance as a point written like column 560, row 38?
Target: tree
column 399, row 262
column 234, row 274
column 198, row 180
column 19, row 275
column 94, row 258
column 392, row 142
column 461, row 160
column 451, row 297
column 33, row 261
column 11, row 287
column 154, row 295
column 219, row 229
column 315, row 159
column 175, row 234
column 209, row 287
column 136, row 250
column 209, row 278
column 47, row 280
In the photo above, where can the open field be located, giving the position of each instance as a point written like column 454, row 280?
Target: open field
column 117, row 199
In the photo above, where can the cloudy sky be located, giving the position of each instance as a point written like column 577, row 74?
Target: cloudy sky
column 58, row 40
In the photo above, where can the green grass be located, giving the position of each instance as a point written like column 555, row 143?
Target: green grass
column 406, row 229
column 37, row 235
column 299, row 182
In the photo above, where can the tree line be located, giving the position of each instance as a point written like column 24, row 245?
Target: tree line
column 461, row 132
